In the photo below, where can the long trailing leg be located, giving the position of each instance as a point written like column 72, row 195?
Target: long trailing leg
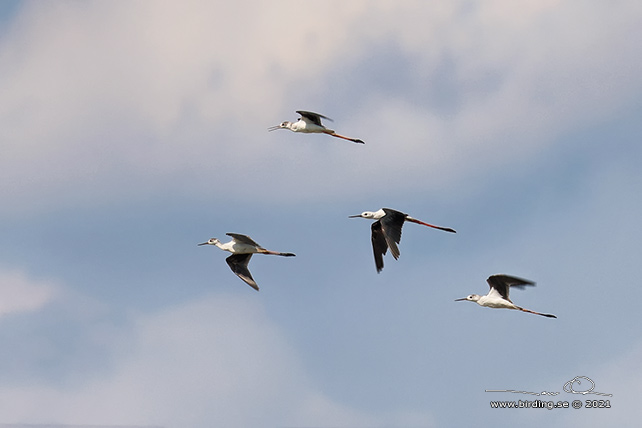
column 414, row 220
column 354, row 140
column 275, row 253
column 536, row 313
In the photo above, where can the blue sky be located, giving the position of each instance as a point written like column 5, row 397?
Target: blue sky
column 132, row 131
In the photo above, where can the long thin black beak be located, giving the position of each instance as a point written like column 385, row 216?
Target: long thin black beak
column 458, row 300
column 274, row 128
column 354, row 216
column 203, row 243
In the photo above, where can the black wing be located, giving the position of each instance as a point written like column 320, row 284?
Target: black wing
column 379, row 245
column 391, row 225
column 238, row 264
column 502, row 282
column 313, row 117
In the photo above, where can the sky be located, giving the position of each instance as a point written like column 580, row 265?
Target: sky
column 132, row 131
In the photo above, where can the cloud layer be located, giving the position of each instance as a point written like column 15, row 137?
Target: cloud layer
column 132, row 131
column 218, row 359
column 119, row 100
column 19, row 293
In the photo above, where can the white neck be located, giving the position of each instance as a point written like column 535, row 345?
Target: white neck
column 225, row 246
column 378, row 214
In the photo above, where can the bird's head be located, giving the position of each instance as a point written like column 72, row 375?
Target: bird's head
column 282, row 125
column 471, row 298
column 212, row 241
column 365, row 214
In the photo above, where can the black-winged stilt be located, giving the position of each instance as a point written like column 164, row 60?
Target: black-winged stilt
column 386, row 231
column 242, row 247
column 310, row 122
column 497, row 297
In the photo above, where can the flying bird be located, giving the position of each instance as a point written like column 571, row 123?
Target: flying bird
column 242, row 247
column 310, row 122
column 497, row 297
column 386, row 231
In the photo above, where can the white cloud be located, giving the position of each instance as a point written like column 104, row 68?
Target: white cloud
column 123, row 99
column 19, row 293
column 218, row 361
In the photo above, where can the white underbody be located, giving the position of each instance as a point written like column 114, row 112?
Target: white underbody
column 495, row 302
column 237, row 247
column 308, row 127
